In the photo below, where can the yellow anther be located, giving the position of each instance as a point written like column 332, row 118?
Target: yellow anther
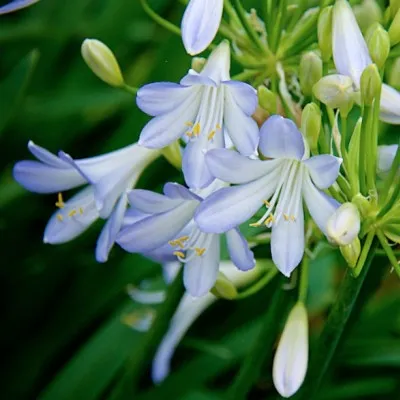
column 189, row 134
column 80, row 210
column 218, row 126
column 286, row 217
column 269, row 220
column 188, row 123
column 255, row 225
column 267, row 203
column 172, row 243
column 196, row 129
column 211, row 135
column 72, row 213
column 200, row 251
column 293, row 218
column 60, row 217
column 179, row 254
column 60, row 201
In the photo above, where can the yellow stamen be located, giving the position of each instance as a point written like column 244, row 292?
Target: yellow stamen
column 255, row 225
column 60, row 217
column 188, row 123
column 293, row 218
column 211, row 135
column 179, row 254
column 72, row 213
column 196, row 129
column 218, row 126
column 60, row 201
column 172, row 243
column 286, row 217
column 200, row 251
column 269, row 220
column 267, row 203
column 190, row 134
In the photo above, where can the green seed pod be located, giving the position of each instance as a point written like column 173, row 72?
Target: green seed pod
column 310, row 72
column 311, row 124
column 325, row 33
column 370, row 84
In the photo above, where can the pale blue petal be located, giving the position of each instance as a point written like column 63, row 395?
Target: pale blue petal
column 280, row 138
column 386, row 155
column 146, row 297
column 46, row 157
column 161, row 97
column 219, row 62
column 390, row 105
column 162, row 254
column 200, row 273
column 193, row 78
column 60, row 231
column 231, row 206
column 16, row 5
column 239, row 250
column 232, row 167
column 177, row 191
column 170, row 271
column 107, row 237
column 200, row 24
column 152, row 232
column 287, row 242
column 324, row 169
column 132, row 215
column 320, row 206
column 40, row 178
column 150, row 202
column 244, row 95
column 241, row 128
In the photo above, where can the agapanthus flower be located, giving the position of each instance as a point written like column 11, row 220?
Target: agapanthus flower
column 279, row 184
column 200, row 24
column 202, row 108
column 169, row 229
column 386, row 155
column 351, row 57
column 16, row 5
column 108, row 177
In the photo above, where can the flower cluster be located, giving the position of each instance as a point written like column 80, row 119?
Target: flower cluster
column 259, row 165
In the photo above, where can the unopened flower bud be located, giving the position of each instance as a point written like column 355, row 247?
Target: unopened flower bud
column 101, row 60
column 291, row 357
column 311, row 124
column 224, row 288
column 310, row 72
column 336, row 91
column 394, row 74
column 370, row 84
column 198, row 63
column 351, row 252
column 394, row 30
column 367, row 13
column 267, row 99
column 362, row 204
column 378, row 44
column 344, row 224
column 325, row 33
column 394, row 7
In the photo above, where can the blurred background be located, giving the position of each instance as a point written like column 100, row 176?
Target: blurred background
column 63, row 334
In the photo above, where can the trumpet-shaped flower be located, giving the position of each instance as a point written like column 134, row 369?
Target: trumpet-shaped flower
column 278, row 184
column 351, row 57
column 108, row 178
column 200, row 24
column 169, row 229
column 16, row 5
column 202, row 109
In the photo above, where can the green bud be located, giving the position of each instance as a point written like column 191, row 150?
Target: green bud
column 311, row 124
column 394, row 74
column 310, row 72
column 394, row 30
column 101, row 60
column 336, row 91
column 224, row 288
column 363, row 205
column 394, row 7
column 267, row 99
column 351, row 252
column 370, row 84
column 325, row 33
column 173, row 154
column 378, row 42
column 367, row 13
column 198, row 63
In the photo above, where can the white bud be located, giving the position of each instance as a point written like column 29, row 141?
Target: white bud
column 291, row 357
column 344, row 224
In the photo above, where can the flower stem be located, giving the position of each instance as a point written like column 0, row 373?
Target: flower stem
column 366, row 124
column 364, row 254
column 304, row 279
column 267, row 278
column 130, row 89
column 389, row 252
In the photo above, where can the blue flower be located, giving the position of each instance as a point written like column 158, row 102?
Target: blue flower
column 278, row 184
column 16, row 5
column 169, row 230
column 200, row 24
column 107, row 177
column 202, row 109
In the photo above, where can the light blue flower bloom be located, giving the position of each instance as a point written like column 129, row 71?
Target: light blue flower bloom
column 202, row 108
column 108, row 177
column 169, row 229
column 386, row 155
column 200, row 24
column 279, row 184
column 16, row 5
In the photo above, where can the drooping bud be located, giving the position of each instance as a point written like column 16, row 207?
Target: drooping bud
column 310, row 72
column 311, row 124
column 351, row 252
column 370, row 84
column 291, row 357
column 224, row 288
column 336, row 91
column 378, row 44
column 394, row 30
column 367, row 13
column 325, row 33
column 344, row 224
column 101, row 60
column 267, row 99
column 394, row 74
column 198, row 63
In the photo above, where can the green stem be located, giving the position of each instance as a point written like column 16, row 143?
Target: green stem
column 364, row 253
column 262, row 348
column 277, row 30
column 160, row 20
column 366, row 117
column 389, row 252
column 130, row 89
column 304, row 279
column 258, row 285
column 343, row 142
column 333, row 329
